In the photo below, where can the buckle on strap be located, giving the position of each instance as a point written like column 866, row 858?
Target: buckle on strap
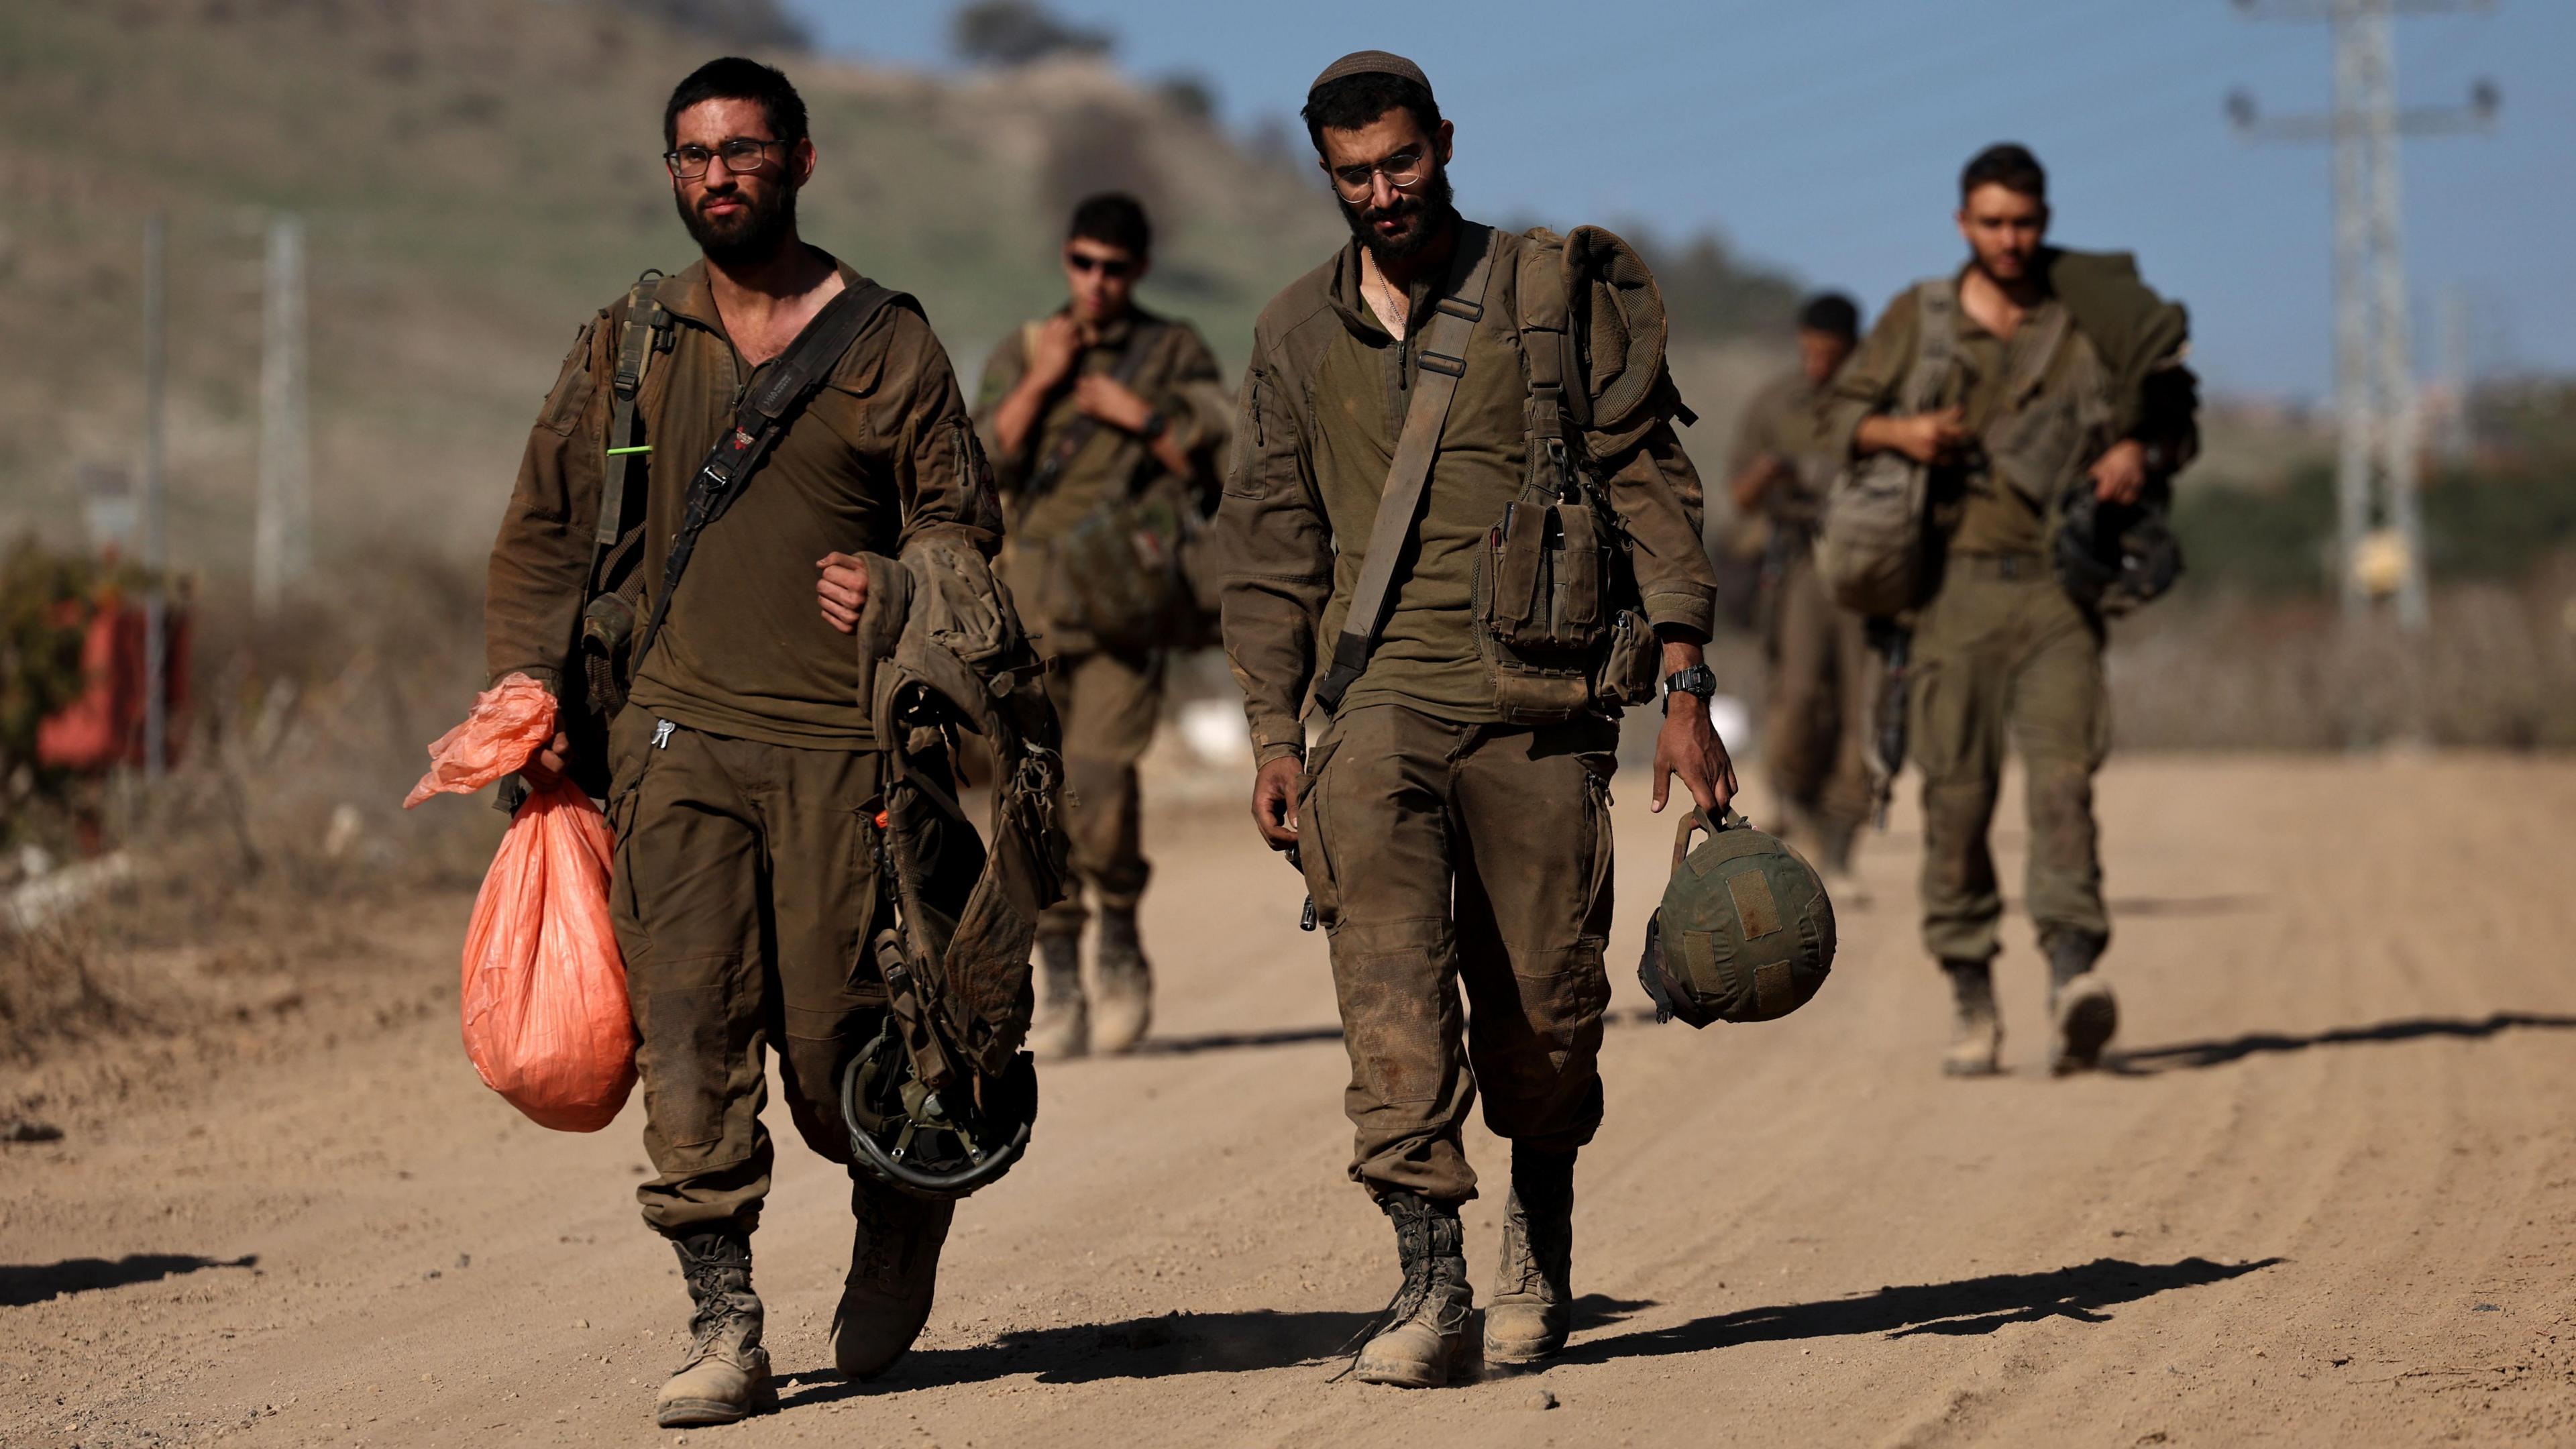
column 1461, row 307
column 1442, row 363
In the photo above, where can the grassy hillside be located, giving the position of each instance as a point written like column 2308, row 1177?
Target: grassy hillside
column 478, row 175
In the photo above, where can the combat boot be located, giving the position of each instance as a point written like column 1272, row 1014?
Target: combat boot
column 1126, row 983
column 2087, row 1013
column 894, row 1271
column 726, row 1376
column 1425, row 1328
column 1977, row 1032
column 1533, row 1303
column 1062, row 1026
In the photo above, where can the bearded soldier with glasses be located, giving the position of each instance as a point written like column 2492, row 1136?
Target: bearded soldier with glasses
column 743, row 769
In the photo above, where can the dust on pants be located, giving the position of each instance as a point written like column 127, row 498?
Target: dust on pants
column 1443, row 855
column 1823, row 679
column 2003, row 657
column 1109, row 704
column 744, row 889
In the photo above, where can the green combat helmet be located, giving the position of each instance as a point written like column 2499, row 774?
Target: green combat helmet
column 1745, row 931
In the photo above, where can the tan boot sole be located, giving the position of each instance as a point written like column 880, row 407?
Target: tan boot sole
column 1409, row 1373
column 702, row 1413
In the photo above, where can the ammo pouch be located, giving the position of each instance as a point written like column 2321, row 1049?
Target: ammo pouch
column 1557, row 605
column 1557, row 640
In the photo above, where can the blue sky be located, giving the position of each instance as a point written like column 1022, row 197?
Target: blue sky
column 1825, row 136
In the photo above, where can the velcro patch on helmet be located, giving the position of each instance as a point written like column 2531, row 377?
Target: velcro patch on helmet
column 1751, row 892
column 1775, row 990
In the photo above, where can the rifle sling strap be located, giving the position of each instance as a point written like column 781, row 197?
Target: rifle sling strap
column 1441, row 362
column 1078, row 433
column 763, row 414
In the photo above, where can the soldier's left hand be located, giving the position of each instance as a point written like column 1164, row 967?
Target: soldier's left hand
column 1110, row 401
column 2120, row 474
column 1688, row 746
column 842, row 590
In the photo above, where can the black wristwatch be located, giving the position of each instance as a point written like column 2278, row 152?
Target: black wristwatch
column 1155, row 426
column 1698, row 680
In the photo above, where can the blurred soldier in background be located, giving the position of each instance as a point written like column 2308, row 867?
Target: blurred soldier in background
column 2057, row 384
column 1104, row 423
column 1816, row 739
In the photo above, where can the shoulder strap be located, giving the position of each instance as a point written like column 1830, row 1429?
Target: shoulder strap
column 1131, row 360
column 1936, row 343
column 1443, row 360
column 757, row 423
column 646, row 331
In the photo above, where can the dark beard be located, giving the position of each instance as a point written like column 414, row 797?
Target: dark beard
column 1432, row 205
column 754, row 237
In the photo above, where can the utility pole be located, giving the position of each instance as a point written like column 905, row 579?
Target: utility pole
column 156, row 533
column 282, row 538
column 2379, row 423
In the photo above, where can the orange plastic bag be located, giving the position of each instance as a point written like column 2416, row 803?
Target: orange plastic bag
column 544, row 997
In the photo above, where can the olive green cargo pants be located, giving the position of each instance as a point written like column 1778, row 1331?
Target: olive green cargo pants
column 1816, row 738
column 1444, row 855
column 744, row 889
column 1109, row 704
column 2002, row 656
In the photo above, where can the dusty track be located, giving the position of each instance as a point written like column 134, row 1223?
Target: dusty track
column 2331, row 1197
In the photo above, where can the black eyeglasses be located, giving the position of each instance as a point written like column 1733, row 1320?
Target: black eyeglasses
column 1110, row 267
column 740, row 155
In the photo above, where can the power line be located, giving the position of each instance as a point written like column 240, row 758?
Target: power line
column 2378, row 418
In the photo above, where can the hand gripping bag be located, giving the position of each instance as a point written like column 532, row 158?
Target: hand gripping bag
column 544, row 998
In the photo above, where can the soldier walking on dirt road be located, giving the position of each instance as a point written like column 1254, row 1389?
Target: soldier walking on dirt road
column 1102, row 419
column 1816, row 738
column 2055, row 382
column 742, row 772
column 1465, row 553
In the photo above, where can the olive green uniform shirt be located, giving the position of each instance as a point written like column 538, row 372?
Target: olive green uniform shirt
column 1781, row 423
column 1323, row 406
column 1179, row 379
column 2140, row 339
column 883, row 456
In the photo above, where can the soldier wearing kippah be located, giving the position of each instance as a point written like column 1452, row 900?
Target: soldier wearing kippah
column 1459, row 555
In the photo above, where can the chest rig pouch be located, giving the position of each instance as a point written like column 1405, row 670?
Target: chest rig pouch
column 1558, row 613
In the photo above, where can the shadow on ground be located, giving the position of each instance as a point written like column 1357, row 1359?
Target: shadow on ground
column 1227, row 1041
column 2148, row 1061
column 1143, row 1348
column 1968, row 1306
column 2184, row 905
column 25, row 1283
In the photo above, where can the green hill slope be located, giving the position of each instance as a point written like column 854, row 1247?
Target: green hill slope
column 477, row 176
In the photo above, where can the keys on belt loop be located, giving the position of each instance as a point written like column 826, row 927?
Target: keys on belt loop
column 662, row 733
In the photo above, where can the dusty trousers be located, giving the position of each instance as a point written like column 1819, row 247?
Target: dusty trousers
column 1109, row 704
column 1816, row 738
column 744, row 888
column 1444, row 856
column 2003, row 658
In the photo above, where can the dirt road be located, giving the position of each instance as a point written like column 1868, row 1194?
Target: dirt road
column 2329, row 1197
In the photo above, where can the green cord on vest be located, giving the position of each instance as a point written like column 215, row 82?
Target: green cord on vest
column 625, row 452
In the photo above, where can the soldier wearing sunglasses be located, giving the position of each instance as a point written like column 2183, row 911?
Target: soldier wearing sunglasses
column 1099, row 418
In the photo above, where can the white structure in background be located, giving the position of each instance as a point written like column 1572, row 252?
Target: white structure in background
column 282, row 539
